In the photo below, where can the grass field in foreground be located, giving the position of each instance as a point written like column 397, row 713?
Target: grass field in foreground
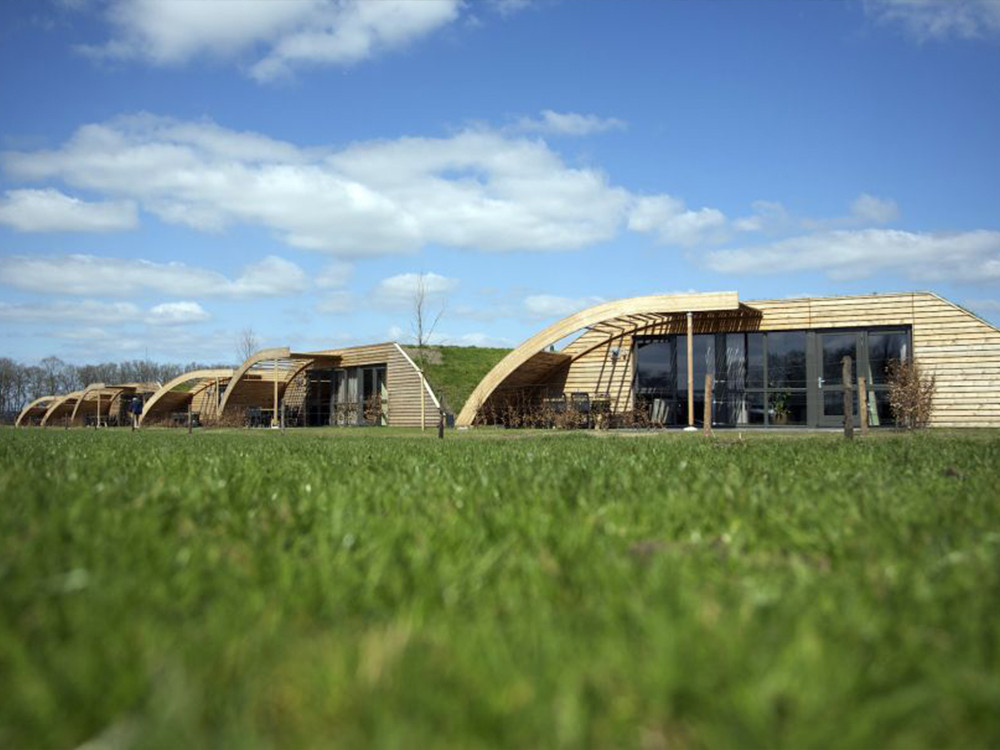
column 362, row 589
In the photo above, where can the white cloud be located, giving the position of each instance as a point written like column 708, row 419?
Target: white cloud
column 92, row 275
column 400, row 291
column 844, row 254
column 569, row 123
column 475, row 189
column 290, row 33
column 767, row 216
column 84, row 311
column 348, row 32
column 869, row 209
column 939, row 19
column 674, row 223
column 53, row 211
column 771, row 217
column 539, row 306
column 177, row 313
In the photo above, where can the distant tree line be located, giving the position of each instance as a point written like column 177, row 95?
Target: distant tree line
column 20, row 384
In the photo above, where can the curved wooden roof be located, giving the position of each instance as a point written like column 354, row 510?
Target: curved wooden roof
column 650, row 304
column 83, row 395
column 58, row 403
column 180, row 380
column 41, row 401
column 263, row 355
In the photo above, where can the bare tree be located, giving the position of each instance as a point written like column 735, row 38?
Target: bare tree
column 911, row 394
column 424, row 322
column 247, row 344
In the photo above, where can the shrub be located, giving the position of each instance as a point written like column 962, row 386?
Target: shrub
column 911, row 394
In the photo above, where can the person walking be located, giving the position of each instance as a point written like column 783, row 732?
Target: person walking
column 136, row 409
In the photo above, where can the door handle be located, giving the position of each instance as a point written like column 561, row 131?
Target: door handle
column 819, row 381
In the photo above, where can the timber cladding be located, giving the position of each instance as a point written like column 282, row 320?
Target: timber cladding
column 256, row 387
column 959, row 349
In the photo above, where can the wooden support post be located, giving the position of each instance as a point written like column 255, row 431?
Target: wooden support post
column 708, row 405
column 690, row 372
column 441, row 424
column 863, row 404
column 189, row 417
column 274, row 413
column 847, row 380
column 98, row 422
column 423, row 402
column 282, row 417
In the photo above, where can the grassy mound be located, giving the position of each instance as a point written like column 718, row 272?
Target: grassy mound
column 454, row 371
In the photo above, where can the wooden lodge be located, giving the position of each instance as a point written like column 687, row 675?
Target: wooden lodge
column 772, row 362
column 364, row 385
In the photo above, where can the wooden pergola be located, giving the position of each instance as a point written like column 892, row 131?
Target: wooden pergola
column 532, row 360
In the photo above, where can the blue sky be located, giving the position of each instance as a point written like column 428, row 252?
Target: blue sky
column 173, row 172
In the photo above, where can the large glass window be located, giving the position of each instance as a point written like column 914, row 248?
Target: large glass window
column 763, row 378
column 655, row 373
column 786, row 359
column 345, row 396
column 884, row 347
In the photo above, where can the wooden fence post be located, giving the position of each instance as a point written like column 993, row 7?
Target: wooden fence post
column 847, row 380
column 863, row 404
column 189, row 417
column 441, row 423
column 708, row 405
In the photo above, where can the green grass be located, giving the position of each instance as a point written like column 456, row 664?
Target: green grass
column 455, row 371
column 385, row 589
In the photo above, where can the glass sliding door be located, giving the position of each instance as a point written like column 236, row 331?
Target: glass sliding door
column 656, row 379
column 883, row 348
column 787, row 384
column 831, row 348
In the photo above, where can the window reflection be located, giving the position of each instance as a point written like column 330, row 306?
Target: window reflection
column 786, row 359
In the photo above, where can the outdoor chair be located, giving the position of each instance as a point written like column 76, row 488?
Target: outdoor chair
column 580, row 405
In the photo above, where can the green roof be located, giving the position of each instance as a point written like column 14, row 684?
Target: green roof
column 454, row 371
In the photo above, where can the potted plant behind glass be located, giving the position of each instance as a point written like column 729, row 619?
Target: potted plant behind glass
column 779, row 407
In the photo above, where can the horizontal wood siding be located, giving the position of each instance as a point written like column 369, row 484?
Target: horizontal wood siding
column 959, row 349
column 404, row 384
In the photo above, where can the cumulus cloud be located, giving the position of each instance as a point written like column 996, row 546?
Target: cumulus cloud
column 767, row 216
column 939, row 19
column 177, row 313
column 771, row 217
column 399, row 291
column 50, row 210
column 569, row 123
column 846, row 254
column 673, row 222
column 871, row 209
column 277, row 36
column 538, row 306
column 92, row 275
column 475, row 189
